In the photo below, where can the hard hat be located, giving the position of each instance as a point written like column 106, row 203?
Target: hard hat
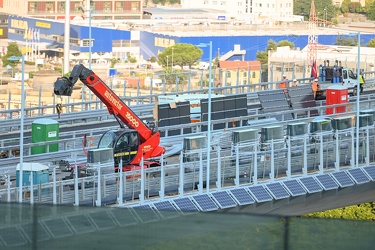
column 316, row 79
column 294, row 80
column 284, row 75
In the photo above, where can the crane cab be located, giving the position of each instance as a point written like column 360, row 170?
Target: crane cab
column 125, row 145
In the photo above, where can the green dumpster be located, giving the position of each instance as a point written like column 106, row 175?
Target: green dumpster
column 44, row 130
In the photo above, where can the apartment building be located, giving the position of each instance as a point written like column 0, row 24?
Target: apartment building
column 280, row 8
column 55, row 9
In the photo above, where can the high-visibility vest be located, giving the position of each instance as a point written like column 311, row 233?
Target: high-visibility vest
column 361, row 80
column 314, row 86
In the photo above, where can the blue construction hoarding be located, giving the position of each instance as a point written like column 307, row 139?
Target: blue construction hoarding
column 52, row 33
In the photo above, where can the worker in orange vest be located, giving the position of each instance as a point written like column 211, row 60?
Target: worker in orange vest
column 315, row 86
column 283, row 82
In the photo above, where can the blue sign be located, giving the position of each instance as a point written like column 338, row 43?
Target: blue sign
column 221, row 18
column 112, row 72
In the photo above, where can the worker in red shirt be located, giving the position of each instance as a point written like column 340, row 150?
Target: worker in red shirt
column 315, row 87
column 283, row 82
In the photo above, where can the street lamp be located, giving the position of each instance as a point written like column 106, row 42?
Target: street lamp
column 325, row 17
column 17, row 58
column 358, row 92
column 209, row 116
column 172, row 60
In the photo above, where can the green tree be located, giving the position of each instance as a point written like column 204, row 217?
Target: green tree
column 346, row 41
column 325, row 8
column 285, row 43
column 181, row 53
column 12, row 50
column 262, row 56
column 371, row 11
column 345, row 6
column 114, row 61
column 355, row 7
column 371, row 43
column 271, row 45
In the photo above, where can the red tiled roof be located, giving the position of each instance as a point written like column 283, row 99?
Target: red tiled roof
column 254, row 65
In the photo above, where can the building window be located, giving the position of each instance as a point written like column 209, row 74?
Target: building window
column 119, row 6
column 50, row 7
column 135, row 6
column 77, row 6
column 61, row 6
column 107, row 7
column 33, row 7
column 86, row 42
column 253, row 75
column 74, row 41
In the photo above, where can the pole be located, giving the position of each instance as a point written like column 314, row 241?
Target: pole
column 172, row 60
column 66, row 37
column 90, row 44
column 22, row 124
column 358, row 92
column 209, row 123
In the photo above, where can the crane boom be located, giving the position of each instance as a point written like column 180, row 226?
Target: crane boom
column 149, row 140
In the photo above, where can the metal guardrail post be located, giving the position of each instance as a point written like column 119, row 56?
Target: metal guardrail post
column 272, row 174
column 255, row 177
column 162, row 178
column 304, row 171
column 54, row 195
column 218, row 181
column 120, row 198
column 352, row 159
column 142, row 193
column 321, row 166
column 182, row 172
column 237, row 178
column 200, row 185
column 98, row 202
column 337, row 162
column 289, row 167
column 76, row 197
column 367, row 146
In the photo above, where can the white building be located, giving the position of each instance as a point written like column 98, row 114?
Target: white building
column 280, row 8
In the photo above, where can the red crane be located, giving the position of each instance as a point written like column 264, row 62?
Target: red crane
column 130, row 144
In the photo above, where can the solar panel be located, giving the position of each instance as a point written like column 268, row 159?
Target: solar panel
column 123, row 216
column 358, row 175
column 370, row 170
column 242, row 196
column 327, row 181
column 40, row 233
column 11, row 236
column 294, row 187
column 185, row 205
column 205, row 203
column 102, row 220
column 58, row 227
column 343, row 179
column 277, row 190
column 311, row 185
column 80, row 224
column 166, row 209
column 146, row 213
column 301, row 97
column 260, row 193
column 223, row 199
